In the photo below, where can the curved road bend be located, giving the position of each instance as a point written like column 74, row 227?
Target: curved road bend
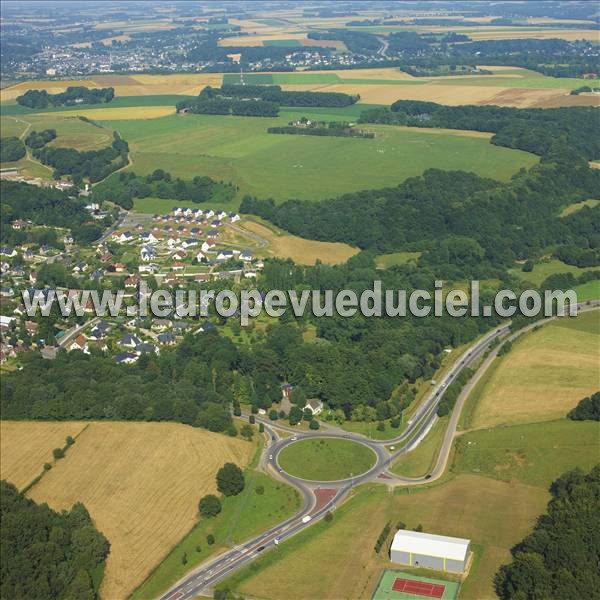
column 202, row 579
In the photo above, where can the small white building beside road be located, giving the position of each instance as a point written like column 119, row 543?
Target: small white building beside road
column 430, row 551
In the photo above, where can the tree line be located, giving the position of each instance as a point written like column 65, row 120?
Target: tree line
column 47, row 554
column 588, row 409
column 258, row 100
column 123, row 188
column 38, row 139
column 72, row 95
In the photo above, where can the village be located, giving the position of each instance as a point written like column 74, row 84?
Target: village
column 188, row 247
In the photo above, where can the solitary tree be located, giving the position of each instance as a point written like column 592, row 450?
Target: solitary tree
column 230, row 480
column 210, row 506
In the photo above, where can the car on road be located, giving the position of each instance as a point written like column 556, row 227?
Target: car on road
column 294, row 438
column 306, row 519
column 270, row 457
column 428, row 476
column 260, row 548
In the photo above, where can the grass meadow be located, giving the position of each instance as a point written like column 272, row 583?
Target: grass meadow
column 326, row 459
column 238, row 149
column 532, row 453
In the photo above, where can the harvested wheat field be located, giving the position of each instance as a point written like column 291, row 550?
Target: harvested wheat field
column 125, row 113
column 141, row 483
column 545, row 375
column 300, row 250
column 25, row 446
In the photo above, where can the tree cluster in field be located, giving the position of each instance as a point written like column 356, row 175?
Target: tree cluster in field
column 534, row 130
column 230, row 482
column 452, row 392
column 559, row 558
column 11, row 149
column 123, row 188
column 94, row 165
column 73, row 95
column 258, row 100
column 38, row 139
column 587, row 409
column 321, row 128
column 43, row 206
column 46, row 554
column 584, row 89
column 274, row 93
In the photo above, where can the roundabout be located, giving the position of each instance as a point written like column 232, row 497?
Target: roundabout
column 326, row 459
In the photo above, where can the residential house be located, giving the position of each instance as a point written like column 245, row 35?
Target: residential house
column 125, row 358
column 246, row 256
column 132, row 281
column 147, row 253
column 79, row 343
column 31, row 327
column 129, row 341
column 201, row 257
column 315, row 405
column 161, row 324
column 119, row 268
column 166, row 339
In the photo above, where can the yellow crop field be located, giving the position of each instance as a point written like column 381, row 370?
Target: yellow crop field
column 544, row 375
column 126, row 113
column 141, row 483
column 300, row 250
column 25, row 446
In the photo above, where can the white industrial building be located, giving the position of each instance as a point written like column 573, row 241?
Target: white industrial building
column 430, row 551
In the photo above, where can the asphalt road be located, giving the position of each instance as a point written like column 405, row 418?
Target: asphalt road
column 201, row 580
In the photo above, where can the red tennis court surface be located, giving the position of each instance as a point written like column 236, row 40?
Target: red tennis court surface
column 418, row 588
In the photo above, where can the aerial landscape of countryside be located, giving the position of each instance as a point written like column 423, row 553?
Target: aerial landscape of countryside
column 299, row 299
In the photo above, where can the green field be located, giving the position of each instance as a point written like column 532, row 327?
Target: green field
column 534, row 453
column 238, row 149
column 242, row 517
column 326, row 459
column 543, row 270
column 384, row 589
column 588, row 291
column 285, row 43
column 385, row 261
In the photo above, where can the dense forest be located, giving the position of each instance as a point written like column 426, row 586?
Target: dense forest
column 536, row 130
column 559, row 558
column 42, row 206
column 73, row 95
column 123, row 188
column 46, row 554
column 94, row 165
column 11, row 149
